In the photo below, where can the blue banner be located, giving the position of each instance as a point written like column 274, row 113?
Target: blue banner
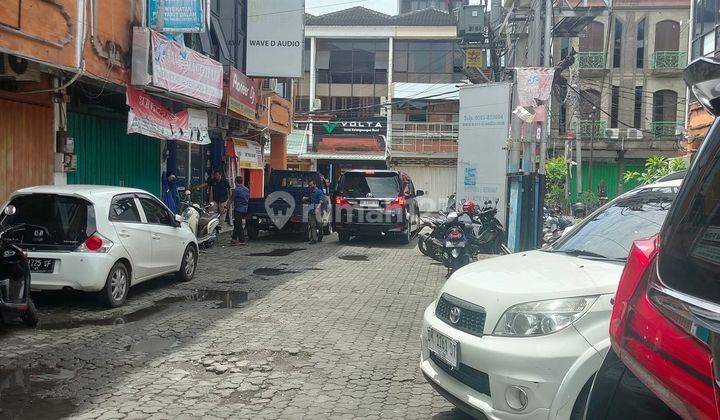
column 176, row 15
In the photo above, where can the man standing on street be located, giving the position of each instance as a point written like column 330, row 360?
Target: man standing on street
column 240, row 196
column 219, row 193
column 315, row 213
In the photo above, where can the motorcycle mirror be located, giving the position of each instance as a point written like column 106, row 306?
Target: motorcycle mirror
column 10, row 210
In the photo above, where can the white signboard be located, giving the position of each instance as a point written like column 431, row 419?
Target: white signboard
column 275, row 38
column 482, row 158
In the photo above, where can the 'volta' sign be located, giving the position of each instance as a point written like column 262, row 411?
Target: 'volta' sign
column 366, row 126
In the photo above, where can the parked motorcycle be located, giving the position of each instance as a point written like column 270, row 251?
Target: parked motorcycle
column 203, row 221
column 15, row 301
column 554, row 224
column 455, row 247
column 430, row 243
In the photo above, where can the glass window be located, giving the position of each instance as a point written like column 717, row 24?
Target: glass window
column 640, row 55
column 155, row 212
column 609, row 232
column 708, row 44
column 123, row 209
column 400, row 62
column 709, row 15
column 614, row 106
column 380, row 185
column 689, row 253
column 617, row 48
column 637, row 114
column 65, row 222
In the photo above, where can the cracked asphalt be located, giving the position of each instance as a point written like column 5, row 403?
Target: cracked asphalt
column 278, row 329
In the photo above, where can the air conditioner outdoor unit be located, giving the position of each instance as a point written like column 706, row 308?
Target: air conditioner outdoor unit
column 269, row 85
column 18, row 69
column 634, row 134
column 612, row 133
column 317, row 104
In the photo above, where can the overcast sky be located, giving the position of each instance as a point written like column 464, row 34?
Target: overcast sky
column 320, row 7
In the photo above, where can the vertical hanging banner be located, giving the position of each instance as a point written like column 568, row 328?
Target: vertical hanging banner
column 185, row 71
column 534, row 84
column 275, row 38
column 177, row 15
column 482, row 141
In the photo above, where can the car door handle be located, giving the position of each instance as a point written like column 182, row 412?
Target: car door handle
column 156, row 237
column 123, row 234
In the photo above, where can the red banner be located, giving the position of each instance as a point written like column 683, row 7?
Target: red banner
column 243, row 94
column 185, row 71
column 149, row 117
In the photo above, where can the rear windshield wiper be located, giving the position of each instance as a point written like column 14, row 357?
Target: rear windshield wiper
column 590, row 254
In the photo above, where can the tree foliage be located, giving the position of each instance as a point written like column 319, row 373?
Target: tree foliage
column 656, row 167
column 555, row 174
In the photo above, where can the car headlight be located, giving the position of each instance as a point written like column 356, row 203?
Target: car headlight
column 542, row 317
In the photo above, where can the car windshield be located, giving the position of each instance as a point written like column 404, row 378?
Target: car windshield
column 355, row 184
column 609, row 232
column 52, row 221
column 689, row 259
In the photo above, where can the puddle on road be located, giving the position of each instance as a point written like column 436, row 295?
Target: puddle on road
column 224, row 299
column 152, row 345
column 354, row 257
column 268, row 271
column 279, row 252
column 23, row 393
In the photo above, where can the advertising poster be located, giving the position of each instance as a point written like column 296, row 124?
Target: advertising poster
column 185, row 71
column 482, row 141
column 176, row 15
column 275, row 38
column 243, row 94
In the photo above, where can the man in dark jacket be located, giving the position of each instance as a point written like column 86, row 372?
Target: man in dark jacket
column 315, row 213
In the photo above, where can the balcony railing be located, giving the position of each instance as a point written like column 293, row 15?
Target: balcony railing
column 438, row 130
column 669, row 60
column 424, row 138
column 591, row 129
column 666, row 128
column 592, row 60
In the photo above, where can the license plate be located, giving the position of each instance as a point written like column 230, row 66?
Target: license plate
column 41, row 265
column 443, row 346
column 368, row 203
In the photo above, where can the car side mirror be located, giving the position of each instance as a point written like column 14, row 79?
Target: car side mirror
column 419, row 193
column 178, row 220
column 10, row 210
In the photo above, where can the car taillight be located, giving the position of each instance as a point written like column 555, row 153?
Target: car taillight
column 399, row 202
column 340, row 201
column 655, row 336
column 454, row 233
column 96, row 243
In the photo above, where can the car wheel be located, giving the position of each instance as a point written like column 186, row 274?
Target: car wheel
column 117, row 285
column 406, row 235
column 578, row 411
column 30, row 316
column 188, row 266
column 343, row 237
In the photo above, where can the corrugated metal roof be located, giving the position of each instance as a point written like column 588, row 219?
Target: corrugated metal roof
column 361, row 16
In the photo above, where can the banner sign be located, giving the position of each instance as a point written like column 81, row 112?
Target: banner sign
column 248, row 153
column 474, row 57
column 275, row 38
column 243, row 94
column 147, row 116
column 185, row 71
column 177, row 15
column 367, row 126
column 534, row 84
column 482, row 141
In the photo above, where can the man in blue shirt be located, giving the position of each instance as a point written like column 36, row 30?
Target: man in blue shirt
column 315, row 213
column 240, row 197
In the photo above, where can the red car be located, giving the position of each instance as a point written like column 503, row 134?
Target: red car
column 665, row 324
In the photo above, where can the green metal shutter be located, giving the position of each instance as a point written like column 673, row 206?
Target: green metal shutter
column 605, row 171
column 107, row 155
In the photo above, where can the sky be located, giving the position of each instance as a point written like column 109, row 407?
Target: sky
column 320, row 7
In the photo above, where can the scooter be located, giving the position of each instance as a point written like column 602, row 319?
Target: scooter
column 203, row 221
column 15, row 301
column 455, row 253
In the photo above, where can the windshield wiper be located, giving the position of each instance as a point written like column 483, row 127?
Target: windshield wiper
column 590, row 254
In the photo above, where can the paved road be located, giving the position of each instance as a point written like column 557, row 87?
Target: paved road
column 277, row 329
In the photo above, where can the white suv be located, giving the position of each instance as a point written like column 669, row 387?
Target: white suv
column 521, row 336
column 99, row 239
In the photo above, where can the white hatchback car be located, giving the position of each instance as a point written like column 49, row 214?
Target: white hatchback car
column 521, row 336
column 99, row 238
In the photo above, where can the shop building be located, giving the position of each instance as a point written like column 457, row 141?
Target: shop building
column 373, row 97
